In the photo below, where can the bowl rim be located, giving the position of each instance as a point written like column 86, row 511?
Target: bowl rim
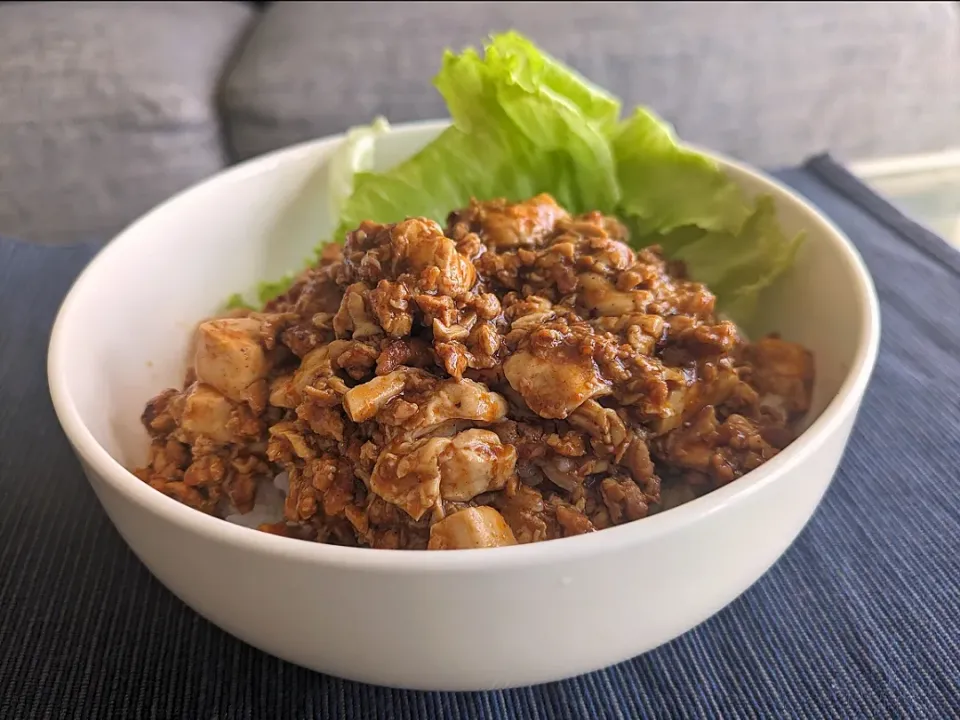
column 112, row 472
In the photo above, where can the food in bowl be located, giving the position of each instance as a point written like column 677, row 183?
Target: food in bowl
column 518, row 375
column 529, row 333
column 300, row 601
column 123, row 330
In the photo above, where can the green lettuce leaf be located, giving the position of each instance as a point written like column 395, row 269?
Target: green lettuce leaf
column 522, row 124
column 737, row 267
column 684, row 202
column 268, row 290
column 355, row 154
column 666, row 186
column 236, row 302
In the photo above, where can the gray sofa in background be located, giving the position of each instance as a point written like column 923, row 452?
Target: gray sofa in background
column 107, row 108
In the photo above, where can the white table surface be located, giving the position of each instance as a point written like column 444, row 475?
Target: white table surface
column 925, row 187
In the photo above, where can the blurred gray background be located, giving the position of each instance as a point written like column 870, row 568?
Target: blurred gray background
column 107, row 108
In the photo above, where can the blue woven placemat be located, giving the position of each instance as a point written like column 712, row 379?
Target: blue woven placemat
column 860, row 619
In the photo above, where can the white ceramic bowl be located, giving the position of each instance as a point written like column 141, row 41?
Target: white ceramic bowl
column 456, row 620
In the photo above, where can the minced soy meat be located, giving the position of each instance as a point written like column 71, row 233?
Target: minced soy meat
column 520, row 375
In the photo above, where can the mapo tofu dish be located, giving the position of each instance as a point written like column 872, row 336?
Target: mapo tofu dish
column 519, row 375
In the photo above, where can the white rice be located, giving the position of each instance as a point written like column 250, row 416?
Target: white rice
column 269, row 505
